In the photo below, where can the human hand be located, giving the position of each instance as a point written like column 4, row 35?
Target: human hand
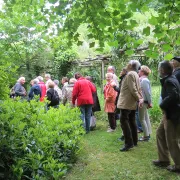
column 113, row 84
column 149, row 106
column 141, row 101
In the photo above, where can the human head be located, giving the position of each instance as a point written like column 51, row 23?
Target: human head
column 144, row 70
column 50, row 84
column 165, row 69
column 64, row 79
column 77, row 75
column 89, row 78
column 56, row 82
column 21, row 80
column 109, row 77
column 133, row 65
column 47, row 77
column 123, row 72
column 111, row 69
column 72, row 81
column 40, row 78
column 176, row 62
column 35, row 81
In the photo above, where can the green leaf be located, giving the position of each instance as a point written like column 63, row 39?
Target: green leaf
column 113, row 44
column 116, row 12
column 129, row 52
column 146, row 31
column 166, row 47
column 168, row 56
column 79, row 43
column 153, row 20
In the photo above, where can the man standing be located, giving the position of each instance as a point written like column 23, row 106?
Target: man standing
column 168, row 132
column 130, row 94
column 82, row 91
column 176, row 67
column 64, row 82
column 48, row 79
column 19, row 89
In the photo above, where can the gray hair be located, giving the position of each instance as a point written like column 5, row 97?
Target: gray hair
column 56, row 82
column 72, row 81
column 36, row 81
column 40, row 78
column 48, row 75
column 21, row 78
column 135, row 65
column 112, row 68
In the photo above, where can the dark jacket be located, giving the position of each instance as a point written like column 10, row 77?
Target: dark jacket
column 19, row 90
column 170, row 94
column 177, row 74
column 35, row 90
column 96, row 105
column 53, row 97
column 117, row 89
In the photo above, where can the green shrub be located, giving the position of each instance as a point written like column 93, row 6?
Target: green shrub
column 35, row 144
column 155, row 111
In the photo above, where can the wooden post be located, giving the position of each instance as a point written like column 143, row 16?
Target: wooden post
column 102, row 75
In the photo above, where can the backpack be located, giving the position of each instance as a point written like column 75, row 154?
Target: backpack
column 55, row 98
column 12, row 92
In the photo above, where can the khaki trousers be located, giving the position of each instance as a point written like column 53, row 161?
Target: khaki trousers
column 168, row 141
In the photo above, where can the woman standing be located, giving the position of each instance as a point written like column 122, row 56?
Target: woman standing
column 110, row 98
column 143, row 112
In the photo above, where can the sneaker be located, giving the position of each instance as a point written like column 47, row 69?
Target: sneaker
column 173, row 169
column 110, row 130
column 126, row 148
column 161, row 163
column 144, row 138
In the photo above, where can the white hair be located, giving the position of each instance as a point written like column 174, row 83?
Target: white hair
column 20, row 79
column 135, row 65
column 110, row 75
column 112, row 68
column 40, row 78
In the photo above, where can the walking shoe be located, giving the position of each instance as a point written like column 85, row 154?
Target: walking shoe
column 110, row 130
column 161, row 163
column 173, row 169
column 126, row 148
column 144, row 138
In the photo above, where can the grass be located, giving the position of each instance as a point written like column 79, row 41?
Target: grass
column 100, row 158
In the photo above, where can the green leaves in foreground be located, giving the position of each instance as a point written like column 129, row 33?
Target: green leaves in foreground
column 35, row 144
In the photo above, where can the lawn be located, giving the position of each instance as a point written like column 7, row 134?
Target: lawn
column 100, row 158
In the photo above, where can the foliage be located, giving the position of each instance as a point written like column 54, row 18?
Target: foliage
column 7, row 71
column 35, row 144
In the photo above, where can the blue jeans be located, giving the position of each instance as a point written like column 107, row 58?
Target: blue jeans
column 139, row 127
column 86, row 111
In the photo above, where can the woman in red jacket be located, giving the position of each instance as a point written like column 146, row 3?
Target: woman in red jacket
column 82, row 91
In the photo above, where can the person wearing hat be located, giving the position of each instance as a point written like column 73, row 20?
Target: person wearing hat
column 176, row 67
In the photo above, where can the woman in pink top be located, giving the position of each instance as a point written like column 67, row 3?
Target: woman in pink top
column 110, row 98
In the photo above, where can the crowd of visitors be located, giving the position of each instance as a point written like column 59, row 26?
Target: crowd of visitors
column 127, row 99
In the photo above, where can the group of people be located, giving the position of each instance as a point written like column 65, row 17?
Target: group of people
column 124, row 99
column 132, row 95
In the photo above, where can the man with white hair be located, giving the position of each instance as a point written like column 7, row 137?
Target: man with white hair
column 35, row 90
column 43, row 88
column 111, row 69
column 48, row 79
column 130, row 94
column 19, row 89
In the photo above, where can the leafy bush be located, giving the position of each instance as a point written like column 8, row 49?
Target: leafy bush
column 35, row 144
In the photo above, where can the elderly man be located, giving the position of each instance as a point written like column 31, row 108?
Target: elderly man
column 82, row 91
column 35, row 90
column 168, row 132
column 111, row 69
column 130, row 94
column 176, row 67
column 48, row 79
column 19, row 89
column 56, row 87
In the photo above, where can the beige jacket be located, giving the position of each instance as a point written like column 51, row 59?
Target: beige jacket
column 130, row 92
